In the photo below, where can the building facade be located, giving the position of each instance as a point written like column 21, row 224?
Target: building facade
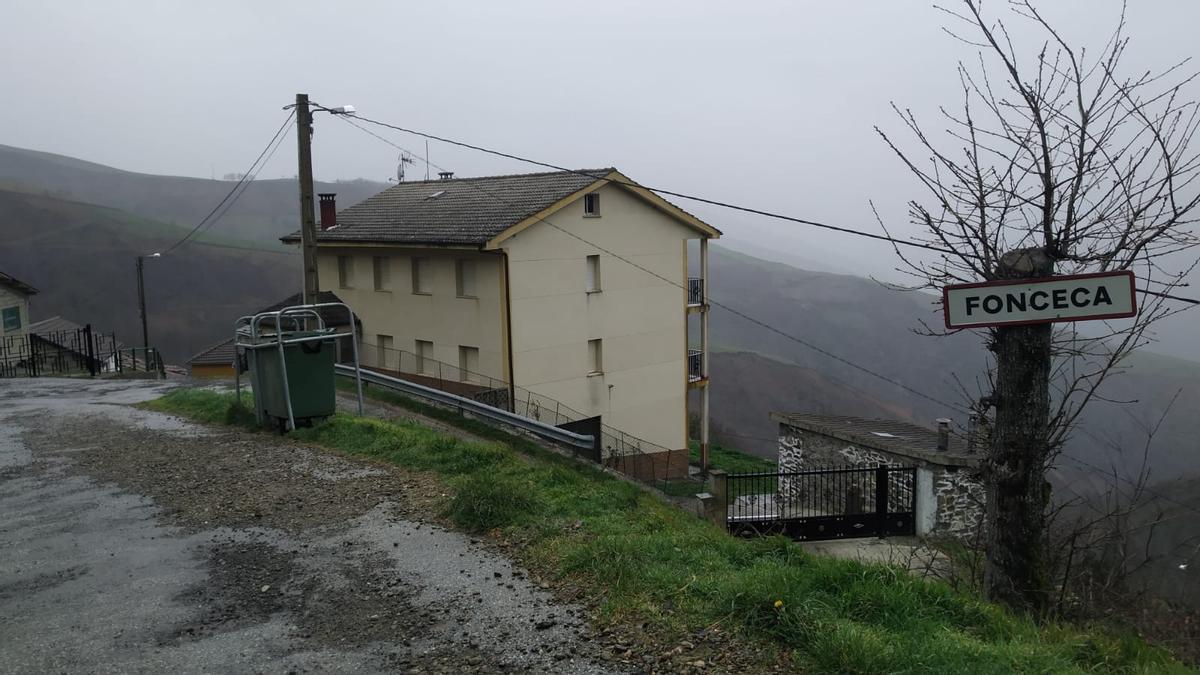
column 14, row 306
column 950, row 497
column 574, row 287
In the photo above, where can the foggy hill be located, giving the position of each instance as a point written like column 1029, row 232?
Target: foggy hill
column 267, row 210
column 81, row 258
column 876, row 328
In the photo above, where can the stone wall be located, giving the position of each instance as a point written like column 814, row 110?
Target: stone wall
column 955, row 493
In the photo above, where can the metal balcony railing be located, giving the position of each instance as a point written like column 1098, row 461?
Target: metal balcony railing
column 696, row 365
column 695, row 291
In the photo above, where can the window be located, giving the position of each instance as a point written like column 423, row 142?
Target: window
column 12, row 318
column 382, row 273
column 468, row 364
column 424, row 356
column 591, row 204
column 596, row 357
column 420, row 276
column 593, row 273
column 464, row 273
column 345, row 271
column 384, row 345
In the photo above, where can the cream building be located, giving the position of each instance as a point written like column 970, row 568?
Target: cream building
column 14, row 306
column 572, row 285
column 14, row 324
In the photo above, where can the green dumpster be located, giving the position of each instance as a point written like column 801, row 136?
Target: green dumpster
column 309, row 361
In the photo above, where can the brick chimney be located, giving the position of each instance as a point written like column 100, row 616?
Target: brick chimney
column 328, row 210
column 943, row 434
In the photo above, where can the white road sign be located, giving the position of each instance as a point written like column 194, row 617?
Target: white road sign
column 1081, row 297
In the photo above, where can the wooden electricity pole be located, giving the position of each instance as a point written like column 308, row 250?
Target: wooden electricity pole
column 141, row 291
column 308, row 218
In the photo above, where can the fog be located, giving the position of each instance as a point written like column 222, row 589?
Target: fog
column 770, row 105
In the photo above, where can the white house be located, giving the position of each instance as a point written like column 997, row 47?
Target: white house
column 573, row 285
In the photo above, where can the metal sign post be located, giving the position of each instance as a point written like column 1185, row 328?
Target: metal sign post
column 1079, row 297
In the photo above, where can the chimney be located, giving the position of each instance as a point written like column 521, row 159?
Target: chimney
column 972, row 432
column 445, row 175
column 328, row 210
column 943, row 434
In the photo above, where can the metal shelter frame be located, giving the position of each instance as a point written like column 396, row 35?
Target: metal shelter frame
column 246, row 336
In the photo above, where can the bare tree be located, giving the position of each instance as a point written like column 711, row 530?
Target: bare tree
column 1057, row 163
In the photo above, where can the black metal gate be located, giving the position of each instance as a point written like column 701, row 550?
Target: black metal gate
column 72, row 351
column 823, row 503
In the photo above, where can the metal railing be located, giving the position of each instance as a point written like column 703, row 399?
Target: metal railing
column 466, row 405
column 824, row 503
column 633, row 456
column 695, row 290
column 73, row 351
column 695, row 365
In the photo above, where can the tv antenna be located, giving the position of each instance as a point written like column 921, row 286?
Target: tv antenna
column 404, row 159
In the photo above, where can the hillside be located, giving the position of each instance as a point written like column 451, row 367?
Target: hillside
column 59, row 235
column 877, row 328
column 746, row 386
column 81, row 257
column 266, row 210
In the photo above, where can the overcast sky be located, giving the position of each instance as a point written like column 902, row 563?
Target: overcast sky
column 765, row 104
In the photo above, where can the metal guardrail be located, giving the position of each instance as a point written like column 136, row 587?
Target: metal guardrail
column 547, row 431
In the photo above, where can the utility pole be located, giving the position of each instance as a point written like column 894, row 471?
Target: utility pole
column 308, row 218
column 141, row 263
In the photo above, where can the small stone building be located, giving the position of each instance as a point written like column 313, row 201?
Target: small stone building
column 949, row 491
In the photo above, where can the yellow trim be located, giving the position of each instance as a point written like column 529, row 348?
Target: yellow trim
column 617, row 179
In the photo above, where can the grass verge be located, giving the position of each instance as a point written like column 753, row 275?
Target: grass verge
column 730, row 460
column 645, row 562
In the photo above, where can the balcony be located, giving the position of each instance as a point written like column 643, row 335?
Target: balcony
column 695, row 289
column 696, row 366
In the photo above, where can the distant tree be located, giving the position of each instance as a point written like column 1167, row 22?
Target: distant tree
column 1057, row 163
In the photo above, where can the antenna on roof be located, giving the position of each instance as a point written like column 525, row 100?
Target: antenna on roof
column 426, row 159
column 404, row 159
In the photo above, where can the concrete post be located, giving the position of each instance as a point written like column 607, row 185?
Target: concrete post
column 926, row 514
column 718, row 487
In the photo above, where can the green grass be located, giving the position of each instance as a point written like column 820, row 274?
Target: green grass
column 205, row 405
column 730, row 460
column 646, row 562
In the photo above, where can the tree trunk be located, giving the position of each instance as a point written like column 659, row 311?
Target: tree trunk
column 1018, row 494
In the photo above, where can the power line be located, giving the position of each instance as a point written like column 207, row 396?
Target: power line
column 755, row 321
column 731, row 310
column 695, row 198
column 245, row 179
column 704, row 200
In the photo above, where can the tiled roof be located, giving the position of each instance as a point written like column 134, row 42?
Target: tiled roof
column 218, row 354
column 17, row 284
column 52, row 325
column 334, row 317
column 463, row 211
column 891, row 436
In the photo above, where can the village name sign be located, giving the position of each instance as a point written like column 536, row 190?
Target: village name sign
column 1080, row 297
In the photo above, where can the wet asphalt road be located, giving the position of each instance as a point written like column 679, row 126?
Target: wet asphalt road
column 134, row 542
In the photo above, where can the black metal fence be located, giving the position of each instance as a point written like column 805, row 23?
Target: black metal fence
column 73, row 351
column 829, row 503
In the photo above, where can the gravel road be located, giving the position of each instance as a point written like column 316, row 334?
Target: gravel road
column 134, row 542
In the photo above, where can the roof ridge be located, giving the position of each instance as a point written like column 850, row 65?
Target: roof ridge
column 587, row 172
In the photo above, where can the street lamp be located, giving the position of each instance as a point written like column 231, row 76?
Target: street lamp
column 141, row 288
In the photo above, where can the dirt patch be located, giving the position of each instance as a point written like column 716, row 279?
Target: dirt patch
column 236, row 479
column 352, row 600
